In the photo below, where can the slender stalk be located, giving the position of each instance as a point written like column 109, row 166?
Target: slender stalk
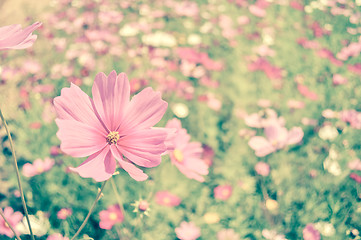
column 90, row 211
column 117, row 196
column 17, row 174
column 12, row 229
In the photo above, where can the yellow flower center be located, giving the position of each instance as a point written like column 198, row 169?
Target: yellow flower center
column 166, row 200
column 113, row 138
column 40, row 169
column 274, row 143
column 178, row 155
column 112, row 216
column 225, row 192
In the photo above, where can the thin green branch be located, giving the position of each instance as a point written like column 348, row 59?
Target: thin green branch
column 17, row 174
column 90, row 211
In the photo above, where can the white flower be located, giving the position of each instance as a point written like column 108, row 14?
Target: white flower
column 325, row 228
column 128, row 31
column 39, row 224
column 180, row 110
column 328, row 132
column 159, row 39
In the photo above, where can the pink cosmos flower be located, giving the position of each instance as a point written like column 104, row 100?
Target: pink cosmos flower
column 188, row 231
column 187, row 155
column 352, row 117
column 13, row 37
column 338, row 79
column 223, row 192
column 355, row 177
column 110, row 217
column 13, row 218
column 166, row 198
column 277, row 137
column 263, row 119
column 310, row 233
column 39, row 166
column 64, row 213
column 57, row 236
column 355, row 164
column 109, row 126
column 262, row 168
column 306, row 92
column 228, row 234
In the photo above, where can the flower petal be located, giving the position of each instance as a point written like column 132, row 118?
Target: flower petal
column 144, row 147
column 261, row 146
column 144, row 111
column 78, row 139
column 295, row 135
column 111, row 96
column 136, row 173
column 100, row 166
column 74, row 104
column 14, row 38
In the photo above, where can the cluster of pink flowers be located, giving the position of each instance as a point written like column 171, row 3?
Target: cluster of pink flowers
column 39, row 166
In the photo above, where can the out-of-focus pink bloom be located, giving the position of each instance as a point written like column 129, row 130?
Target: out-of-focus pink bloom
column 57, row 236
column 188, row 231
column 55, row 150
column 355, row 177
column 311, row 233
column 308, row 44
column 212, row 102
column 263, row 119
column 35, row 125
column 309, row 121
column 352, row 50
column 208, row 82
column 192, row 56
column 110, row 126
column 110, row 217
column 356, row 68
column 208, row 155
column 64, row 213
column 13, row 218
column 262, row 168
column 261, row 64
column 228, row 234
column 243, row 20
column 166, row 198
column 339, row 80
column 257, row 11
column 295, row 104
column 223, row 192
column 143, row 205
column 306, row 92
column 296, row 5
column 187, row 155
column 355, row 164
column 317, row 30
column 277, row 137
column 186, row 8
column 328, row 113
column 352, row 117
column 13, row 37
column 39, row 166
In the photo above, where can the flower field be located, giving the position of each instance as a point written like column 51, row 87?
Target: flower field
column 164, row 120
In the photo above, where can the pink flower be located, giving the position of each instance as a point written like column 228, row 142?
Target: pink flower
column 295, row 104
column 262, row 168
column 339, row 80
column 310, row 233
column 13, row 218
column 355, row 164
column 110, row 217
column 306, row 92
column 166, row 198
column 257, row 11
column 64, row 213
column 109, row 126
column 263, row 119
column 223, row 192
column 228, row 234
column 187, row 155
column 277, row 137
column 13, row 37
column 352, row 117
column 57, row 236
column 188, row 231
column 39, row 166
column 355, row 177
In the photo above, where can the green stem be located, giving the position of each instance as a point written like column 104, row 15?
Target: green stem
column 90, row 211
column 17, row 174
column 117, row 196
column 12, row 229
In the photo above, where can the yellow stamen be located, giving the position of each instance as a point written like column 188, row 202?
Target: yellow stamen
column 166, row 200
column 178, row 155
column 112, row 216
column 113, row 138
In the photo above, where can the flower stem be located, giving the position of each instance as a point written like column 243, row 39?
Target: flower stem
column 90, row 211
column 12, row 229
column 117, row 196
column 17, row 174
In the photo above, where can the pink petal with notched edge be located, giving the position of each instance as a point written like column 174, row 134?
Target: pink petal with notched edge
column 188, row 173
column 295, row 135
column 261, row 146
column 78, row 139
column 111, row 97
column 144, row 111
column 100, row 166
column 144, row 147
column 74, row 104
column 132, row 170
column 14, row 37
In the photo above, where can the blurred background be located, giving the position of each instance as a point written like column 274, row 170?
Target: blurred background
column 229, row 70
